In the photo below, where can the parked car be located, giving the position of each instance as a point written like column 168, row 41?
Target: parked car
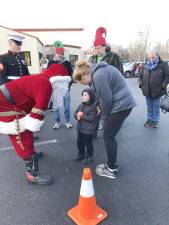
column 128, row 69
column 132, row 69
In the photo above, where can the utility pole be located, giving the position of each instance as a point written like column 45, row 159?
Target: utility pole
column 140, row 34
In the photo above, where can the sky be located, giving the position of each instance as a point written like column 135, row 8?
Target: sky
column 123, row 19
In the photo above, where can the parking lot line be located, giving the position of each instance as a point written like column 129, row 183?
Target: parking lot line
column 36, row 144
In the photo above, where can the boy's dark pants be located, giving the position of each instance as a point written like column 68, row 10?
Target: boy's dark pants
column 85, row 140
column 111, row 127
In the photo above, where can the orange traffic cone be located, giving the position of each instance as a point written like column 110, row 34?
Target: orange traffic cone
column 87, row 212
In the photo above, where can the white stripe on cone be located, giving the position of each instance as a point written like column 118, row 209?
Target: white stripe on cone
column 87, row 189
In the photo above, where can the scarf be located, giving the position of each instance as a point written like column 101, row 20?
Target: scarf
column 152, row 64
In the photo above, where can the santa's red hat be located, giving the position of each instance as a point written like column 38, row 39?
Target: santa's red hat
column 58, row 47
column 100, row 37
column 56, row 70
column 58, row 76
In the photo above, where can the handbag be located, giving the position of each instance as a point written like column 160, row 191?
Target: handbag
column 164, row 103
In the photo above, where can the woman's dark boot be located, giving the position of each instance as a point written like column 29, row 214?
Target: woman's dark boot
column 32, row 172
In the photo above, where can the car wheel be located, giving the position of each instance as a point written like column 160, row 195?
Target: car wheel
column 127, row 74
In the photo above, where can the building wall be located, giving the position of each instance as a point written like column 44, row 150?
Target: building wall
column 30, row 44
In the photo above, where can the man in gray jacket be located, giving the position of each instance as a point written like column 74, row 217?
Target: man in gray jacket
column 116, row 103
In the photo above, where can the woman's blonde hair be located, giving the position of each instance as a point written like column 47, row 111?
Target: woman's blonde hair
column 82, row 68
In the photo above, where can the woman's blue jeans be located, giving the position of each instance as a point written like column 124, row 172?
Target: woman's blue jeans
column 153, row 109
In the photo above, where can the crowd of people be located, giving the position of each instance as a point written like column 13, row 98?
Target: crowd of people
column 107, row 100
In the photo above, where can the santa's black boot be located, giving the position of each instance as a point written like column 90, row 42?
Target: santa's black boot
column 32, row 172
column 40, row 155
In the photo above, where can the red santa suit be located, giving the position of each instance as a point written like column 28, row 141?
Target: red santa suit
column 25, row 114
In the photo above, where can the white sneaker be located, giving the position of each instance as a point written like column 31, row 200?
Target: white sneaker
column 102, row 166
column 68, row 125
column 104, row 171
column 56, row 125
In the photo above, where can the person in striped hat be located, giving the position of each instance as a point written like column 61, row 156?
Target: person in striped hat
column 102, row 53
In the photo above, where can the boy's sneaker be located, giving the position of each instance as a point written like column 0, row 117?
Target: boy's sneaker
column 154, row 124
column 56, row 125
column 68, row 125
column 88, row 160
column 79, row 158
column 104, row 171
column 148, row 123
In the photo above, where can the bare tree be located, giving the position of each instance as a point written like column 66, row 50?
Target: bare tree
column 123, row 52
column 139, row 48
column 163, row 50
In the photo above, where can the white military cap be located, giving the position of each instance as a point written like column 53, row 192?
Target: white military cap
column 15, row 38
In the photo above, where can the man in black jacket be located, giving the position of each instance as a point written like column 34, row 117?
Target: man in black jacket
column 153, row 82
column 13, row 64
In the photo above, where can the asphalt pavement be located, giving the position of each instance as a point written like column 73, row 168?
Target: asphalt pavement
column 140, row 195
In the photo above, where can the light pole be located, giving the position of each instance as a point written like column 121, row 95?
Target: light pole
column 140, row 34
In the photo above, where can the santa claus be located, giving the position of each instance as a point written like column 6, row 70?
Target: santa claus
column 23, row 103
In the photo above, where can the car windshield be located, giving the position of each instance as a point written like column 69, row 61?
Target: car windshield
column 128, row 63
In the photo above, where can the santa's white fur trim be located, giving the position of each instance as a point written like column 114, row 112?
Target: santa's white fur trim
column 59, row 79
column 10, row 127
column 25, row 123
column 32, row 124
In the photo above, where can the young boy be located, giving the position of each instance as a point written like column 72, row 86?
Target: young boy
column 86, row 115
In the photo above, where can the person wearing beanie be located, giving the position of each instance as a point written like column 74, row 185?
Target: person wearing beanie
column 86, row 114
column 60, row 59
column 23, row 103
column 102, row 52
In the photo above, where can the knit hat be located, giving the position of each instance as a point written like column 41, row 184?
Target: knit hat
column 59, row 47
column 56, row 70
column 59, row 79
column 100, row 37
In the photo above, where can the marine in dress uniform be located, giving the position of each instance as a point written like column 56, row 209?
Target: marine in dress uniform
column 23, row 103
column 14, row 65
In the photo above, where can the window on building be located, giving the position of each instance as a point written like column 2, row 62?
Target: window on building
column 73, row 59
column 40, row 57
column 27, row 56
